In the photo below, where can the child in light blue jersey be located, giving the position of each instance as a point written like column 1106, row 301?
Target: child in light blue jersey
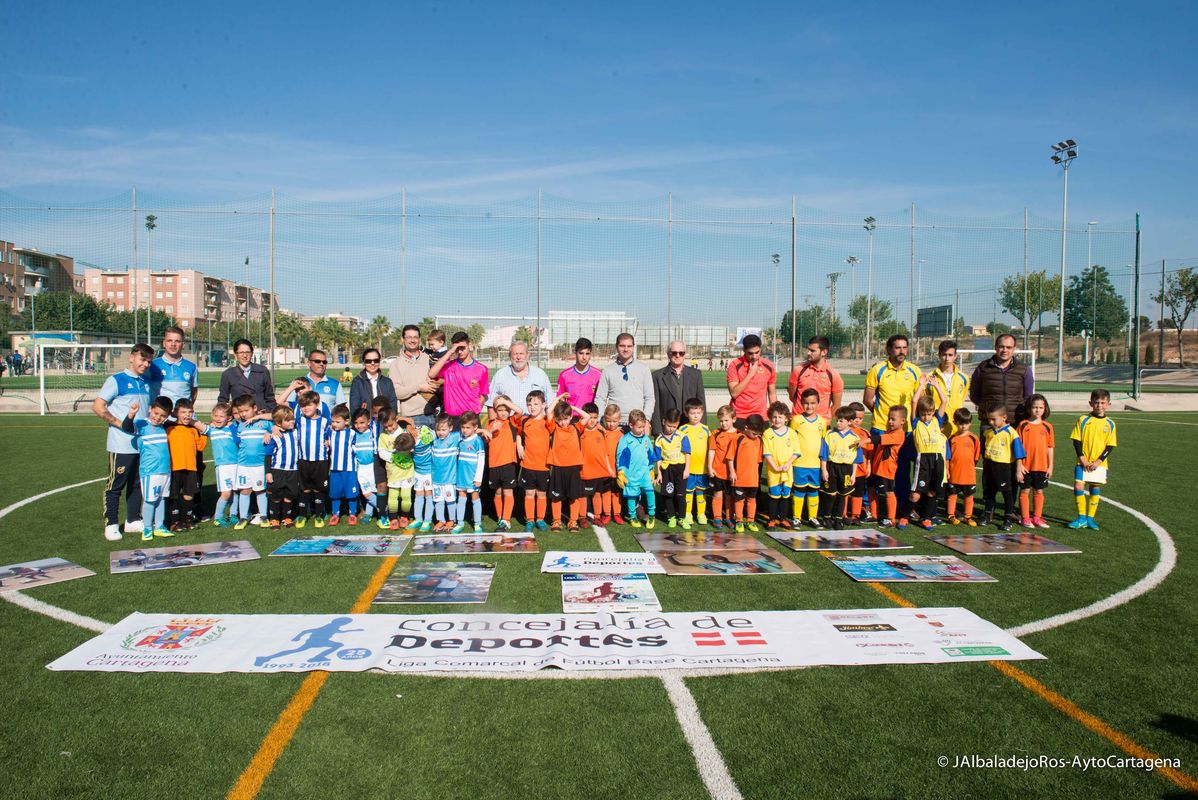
column 253, row 434
column 223, row 437
column 365, row 447
column 343, row 467
column 635, row 460
column 445, row 472
column 155, row 457
column 469, row 479
column 422, row 463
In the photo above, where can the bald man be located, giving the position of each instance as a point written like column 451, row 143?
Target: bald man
column 674, row 384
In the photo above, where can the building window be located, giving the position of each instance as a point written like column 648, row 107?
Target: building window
column 159, row 295
column 185, row 281
column 170, row 294
column 111, row 294
column 111, row 279
column 118, row 294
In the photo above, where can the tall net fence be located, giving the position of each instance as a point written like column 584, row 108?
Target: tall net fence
column 549, row 270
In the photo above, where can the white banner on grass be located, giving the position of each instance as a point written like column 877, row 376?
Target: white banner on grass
column 268, row 643
column 606, row 563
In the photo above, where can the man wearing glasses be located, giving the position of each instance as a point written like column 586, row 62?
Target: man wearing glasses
column 409, row 374
column 752, row 381
column 674, row 384
column 626, row 381
column 331, row 391
column 245, row 377
column 519, row 378
column 371, row 383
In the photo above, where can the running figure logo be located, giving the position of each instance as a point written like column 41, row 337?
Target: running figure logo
column 317, row 639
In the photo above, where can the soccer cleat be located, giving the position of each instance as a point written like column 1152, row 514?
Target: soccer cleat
column 461, row 526
column 971, row 522
column 772, row 525
column 618, row 520
column 672, row 522
column 688, row 520
column 752, row 526
column 257, row 520
column 529, row 527
column 604, row 520
column 353, row 519
column 425, row 526
column 902, row 525
column 718, row 524
column 414, row 525
column 147, row 535
column 926, row 524
column 288, row 522
column 134, row 526
column 837, row 524
column 573, row 527
column 301, row 521
column 112, row 532
column 740, row 527
column 503, row 525
column 1027, row 522
column 1080, row 522
column 649, row 523
column 786, row 524
column 1040, row 523
column 885, row 523
column 636, row 523
column 478, row 527
column 161, row 533
column 1091, row 523
column 701, row 519
column 814, row 522
column 1004, row 526
column 542, row 525
column 384, row 523
column 954, row 521
column 241, row 524
column 334, row 520
column 318, row 522
column 556, row 526
column 274, row 523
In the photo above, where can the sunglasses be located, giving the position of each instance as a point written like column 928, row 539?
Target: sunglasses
column 677, row 353
column 371, row 361
column 625, row 368
column 317, row 361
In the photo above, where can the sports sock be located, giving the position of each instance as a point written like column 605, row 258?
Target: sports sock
column 393, row 503
column 418, row 509
column 578, row 510
column 873, row 507
column 541, row 501
column 797, row 501
column 556, row 514
column 598, row 505
column 855, row 506
column 147, row 514
column 1038, row 505
column 187, row 510
column 700, row 503
column 717, row 505
column 476, row 506
column 1080, row 496
column 405, row 500
column 440, row 505
column 891, row 506
column 969, row 506
column 243, row 503
column 690, row 503
column 461, row 512
column 631, row 507
column 951, row 505
column 929, row 506
column 812, row 505
column 651, row 503
column 1024, row 505
column 262, row 504
column 530, row 509
column 221, row 505
column 750, row 509
column 353, row 506
column 1092, row 506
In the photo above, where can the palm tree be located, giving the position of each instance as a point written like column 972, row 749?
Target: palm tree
column 288, row 329
column 378, row 329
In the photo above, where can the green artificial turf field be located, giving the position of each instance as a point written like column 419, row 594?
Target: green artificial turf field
column 821, row 732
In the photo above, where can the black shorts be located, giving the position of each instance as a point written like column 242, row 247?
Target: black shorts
column 284, row 483
column 534, row 480
column 718, row 485
column 565, row 483
column 840, row 479
column 314, row 476
column 380, row 470
column 882, row 486
column 963, row 489
column 997, row 477
column 927, row 474
column 1035, row 480
column 594, row 486
column 672, row 482
column 859, row 485
column 503, row 476
column 184, row 482
column 743, row 492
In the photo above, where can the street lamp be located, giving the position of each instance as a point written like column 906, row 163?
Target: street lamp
column 777, row 259
column 852, row 261
column 1090, row 266
column 151, row 224
column 1063, row 154
column 37, row 287
column 870, row 225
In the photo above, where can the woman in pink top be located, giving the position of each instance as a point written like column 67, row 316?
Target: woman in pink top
column 466, row 380
column 580, row 380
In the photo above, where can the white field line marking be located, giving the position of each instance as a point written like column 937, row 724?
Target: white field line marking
column 54, row 612
column 605, row 542
column 4, row 512
column 1123, row 419
column 1164, row 565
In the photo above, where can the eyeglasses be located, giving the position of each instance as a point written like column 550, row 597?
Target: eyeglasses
column 245, row 352
column 371, row 361
column 625, row 368
column 318, row 361
column 677, row 353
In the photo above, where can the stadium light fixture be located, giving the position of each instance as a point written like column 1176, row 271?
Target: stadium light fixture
column 871, row 225
column 1063, row 153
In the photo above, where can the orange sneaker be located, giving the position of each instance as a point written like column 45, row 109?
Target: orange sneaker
column 353, row 519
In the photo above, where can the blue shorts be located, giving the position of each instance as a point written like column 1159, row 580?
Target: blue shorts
column 806, row 477
column 343, row 485
column 780, row 490
column 696, row 483
column 635, row 488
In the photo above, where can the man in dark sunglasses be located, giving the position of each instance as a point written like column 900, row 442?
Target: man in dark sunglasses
column 674, row 384
column 331, row 391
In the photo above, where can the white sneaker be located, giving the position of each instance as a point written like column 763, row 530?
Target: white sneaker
column 256, row 520
column 112, row 533
column 134, row 527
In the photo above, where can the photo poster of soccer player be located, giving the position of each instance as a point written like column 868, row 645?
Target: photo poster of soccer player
column 368, row 545
column 149, row 559
column 437, row 582
column 590, row 593
column 838, row 540
column 29, row 574
column 910, row 569
column 696, row 541
column 762, row 561
column 1003, row 544
column 474, row 544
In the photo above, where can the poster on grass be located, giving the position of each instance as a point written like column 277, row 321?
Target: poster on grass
column 593, row 562
column 369, row 545
column 446, row 643
column 29, row 574
column 1003, row 544
column 697, row 540
column 586, row 594
column 838, row 540
column 727, row 562
column 911, row 569
column 149, row 559
column 474, row 543
column 437, row 582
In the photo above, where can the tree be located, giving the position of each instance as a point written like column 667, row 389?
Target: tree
column 426, row 325
column 861, row 307
column 995, row 328
column 524, row 334
column 814, row 321
column 288, row 330
column 1145, row 324
column 55, row 311
column 1180, row 297
column 1101, row 311
column 476, row 333
column 378, row 329
column 1042, row 294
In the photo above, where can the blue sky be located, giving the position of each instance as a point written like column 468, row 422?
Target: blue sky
column 860, row 110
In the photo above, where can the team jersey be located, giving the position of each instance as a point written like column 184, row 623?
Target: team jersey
column 284, row 451
column 185, row 442
column 422, row 453
column 745, row 455
column 841, row 447
column 928, row 437
column 341, row 450
column 151, row 442
column 635, row 457
column 962, row 464
column 251, row 450
column 700, row 438
column 887, row 445
column 612, row 438
column 445, row 457
column 673, row 449
column 464, row 385
column 534, row 434
column 1037, row 438
column 565, row 444
column 580, row 385
column 956, row 390
column 330, row 390
column 313, row 436
column 894, row 388
column 1096, row 434
column 472, row 455
column 502, row 448
column 121, row 391
column 595, row 461
column 811, row 432
column 224, row 445
column 364, row 446
column 721, row 441
column 172, row 380
column 1002, row 446
column 780, row 447
column 867, row 449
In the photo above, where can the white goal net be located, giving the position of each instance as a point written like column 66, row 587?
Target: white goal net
column 70, row 375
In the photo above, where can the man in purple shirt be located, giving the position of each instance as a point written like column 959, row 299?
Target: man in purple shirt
column 1002, row 380
column 466, row 380
column 580, row 380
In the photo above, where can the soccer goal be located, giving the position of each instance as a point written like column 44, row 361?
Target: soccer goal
column 70, row 375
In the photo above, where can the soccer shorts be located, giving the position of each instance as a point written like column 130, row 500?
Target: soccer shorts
column 859, row 485
column 671, row 480
column 882, row 486
column 840, row 479
column 962, row 489
column 697, row 483
column 927, row 473
column 779, row 479
column 503, row 476
column 184, row 483
column 284, row 484
column 154, row 488
column 252, row 478
column 445, row 493
column 1097, row 475
column 997, row 477
column 806, row 478
column 343, row 485
column 565, row 483
column 380, row 471
column 226, row 477
column 314, row 476
column 534, row 480
column 742, row 492
column 424, row 482
column 718, row 485
column 1035, row 480
column 778, row 489
column 593, row 486
column 637, row 487
column 366, row 480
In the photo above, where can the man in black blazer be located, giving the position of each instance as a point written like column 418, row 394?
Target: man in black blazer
column 246, row 377
column 371, row 383
column 674, row 384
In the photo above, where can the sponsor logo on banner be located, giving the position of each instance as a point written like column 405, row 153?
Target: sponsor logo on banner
column 957, row 652
column 738, row 637
column 877, row 626
column 178, row 634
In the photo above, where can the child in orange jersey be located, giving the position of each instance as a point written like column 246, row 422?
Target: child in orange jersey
column 612, row 433
column 722, row 440
column 533, row 451
column 503, row 465
column 598, row 468
column 962, row 480
column 744, row 472
column 185, row 443
column 884, row 465
column 1037, row 436
column 565, row 462
column 861, row 473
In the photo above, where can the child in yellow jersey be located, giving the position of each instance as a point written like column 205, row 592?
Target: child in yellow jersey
column 839, row 454
column 931, row 454
column 1093, row 440
column 673, row 468
column 780, row 447
column 1002, row 465
column 699, row 436
column 810, row 427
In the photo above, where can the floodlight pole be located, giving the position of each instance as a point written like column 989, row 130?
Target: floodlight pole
column 1070, row 152
column 870, row 225
column 1090, row 266
column 273, row 298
